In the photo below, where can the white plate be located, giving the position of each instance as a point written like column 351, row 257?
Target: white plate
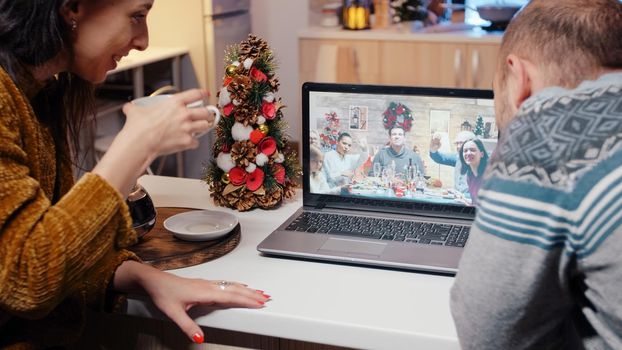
column 200, row 225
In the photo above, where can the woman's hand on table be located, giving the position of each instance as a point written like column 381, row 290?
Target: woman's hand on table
column 175, row 295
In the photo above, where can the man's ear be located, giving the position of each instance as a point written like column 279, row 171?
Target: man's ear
column 520, row 80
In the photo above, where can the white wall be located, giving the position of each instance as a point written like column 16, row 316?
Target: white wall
column 278, row 22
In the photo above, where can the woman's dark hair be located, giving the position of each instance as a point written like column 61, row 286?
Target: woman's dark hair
column 466, row 169
column 31, row 33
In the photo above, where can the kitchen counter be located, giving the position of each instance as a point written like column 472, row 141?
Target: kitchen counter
column 432, row 34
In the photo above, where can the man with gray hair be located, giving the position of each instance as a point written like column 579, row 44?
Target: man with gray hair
column 542, row 266
column 451, row 159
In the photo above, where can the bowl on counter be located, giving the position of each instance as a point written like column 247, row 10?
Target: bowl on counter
column 498, row 15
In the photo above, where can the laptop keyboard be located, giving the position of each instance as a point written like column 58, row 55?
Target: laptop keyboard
column 384, row 229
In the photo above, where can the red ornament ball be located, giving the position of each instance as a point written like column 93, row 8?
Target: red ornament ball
column 256, row 136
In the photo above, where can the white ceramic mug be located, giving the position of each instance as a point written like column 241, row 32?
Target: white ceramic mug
column 151, row 100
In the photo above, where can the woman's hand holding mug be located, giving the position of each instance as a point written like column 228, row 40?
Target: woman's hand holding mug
column 171, row 123
column 155, row 126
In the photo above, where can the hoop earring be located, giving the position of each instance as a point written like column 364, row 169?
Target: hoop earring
column 74, row 25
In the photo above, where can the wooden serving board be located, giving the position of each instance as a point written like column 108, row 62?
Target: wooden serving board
column 164, row 251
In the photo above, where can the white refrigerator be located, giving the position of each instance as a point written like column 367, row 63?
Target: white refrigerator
column 227, row 22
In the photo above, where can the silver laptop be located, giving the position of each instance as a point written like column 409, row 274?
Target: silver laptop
column 385, row 202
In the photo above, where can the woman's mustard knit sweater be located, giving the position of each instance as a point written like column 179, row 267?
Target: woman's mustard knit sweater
column 60, row 242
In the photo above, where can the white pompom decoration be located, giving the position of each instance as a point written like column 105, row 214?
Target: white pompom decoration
column 224, row 98
column 268, row 97
column 279, row 158
column 261, row 119
column 235, row 63
column 251, row 167
column 261, row 159
column 239, row 132
column 224, row 162
column 248, row 63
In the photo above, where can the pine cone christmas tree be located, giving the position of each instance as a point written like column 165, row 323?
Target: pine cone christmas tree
column 271, row 199
column 239, row 88
column 252, row 167
column 243, row 153
column 246, row 114
column 253, row 47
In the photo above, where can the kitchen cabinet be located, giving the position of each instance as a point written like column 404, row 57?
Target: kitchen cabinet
column 482, row 64
column 439, row 64
column 422, row 64
column 461, row 60
column 340, row 61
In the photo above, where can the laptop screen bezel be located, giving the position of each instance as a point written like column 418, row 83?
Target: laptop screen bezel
column 328, row 200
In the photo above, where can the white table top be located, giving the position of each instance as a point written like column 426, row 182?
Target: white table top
column 342, row 305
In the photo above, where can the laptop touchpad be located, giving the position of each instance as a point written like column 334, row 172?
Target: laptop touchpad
column 351, row 246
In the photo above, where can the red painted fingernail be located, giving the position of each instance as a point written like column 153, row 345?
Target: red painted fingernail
column 265, row 296
column 259, row 291
column 260, row 303
column 198, row 338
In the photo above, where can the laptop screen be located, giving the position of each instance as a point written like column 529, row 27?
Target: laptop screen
column 396, row 144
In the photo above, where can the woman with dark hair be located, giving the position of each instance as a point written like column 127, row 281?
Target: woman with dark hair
column 474, row 159
column 62, row 244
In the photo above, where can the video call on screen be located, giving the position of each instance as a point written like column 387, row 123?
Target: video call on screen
column 388, row 146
